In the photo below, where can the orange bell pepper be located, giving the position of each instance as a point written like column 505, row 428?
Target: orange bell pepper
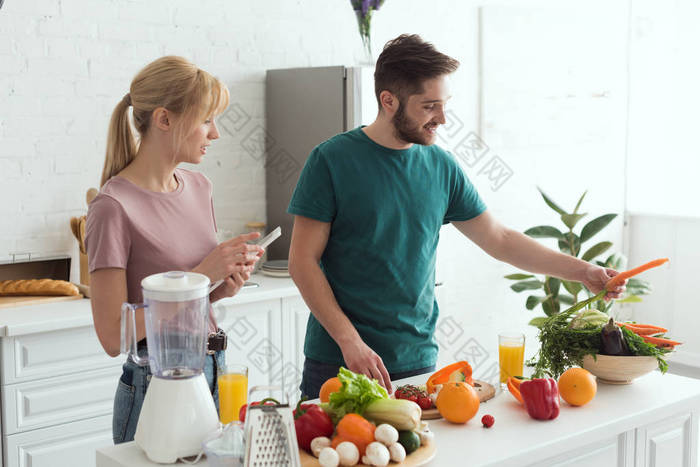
column 442, row 376
column 514, row 388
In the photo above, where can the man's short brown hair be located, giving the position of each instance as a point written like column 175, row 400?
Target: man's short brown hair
column 406, row 63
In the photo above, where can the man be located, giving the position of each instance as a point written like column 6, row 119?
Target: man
column 368, row 209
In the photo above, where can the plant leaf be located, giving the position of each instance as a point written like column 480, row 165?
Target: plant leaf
column 550, row 307
column 578, row 205
column 551, row 286
column 630, row 299
column 564, row 244
column 551, row 203
column 544, row 231
column 572, row 287
column 566, row 299
column 570, row 220
column 519, row 276
column 596, row 225
column 534, row 300
column 615, row 261
column 538, row 322
column 638, row 287
column 595, row 250
column 526, row 285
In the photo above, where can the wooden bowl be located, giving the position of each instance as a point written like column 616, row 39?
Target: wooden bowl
column 619, row 370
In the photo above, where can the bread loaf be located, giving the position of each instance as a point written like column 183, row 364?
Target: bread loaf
column 37, row 287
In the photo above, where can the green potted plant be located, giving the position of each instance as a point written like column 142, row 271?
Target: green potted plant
column 550, row 296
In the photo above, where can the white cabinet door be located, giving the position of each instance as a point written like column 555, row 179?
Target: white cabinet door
column 42, row 355
column 52, row 401
column 69, row 445
column 615, row 451
column 254, row 339
column 295, row 314
column 669, row 442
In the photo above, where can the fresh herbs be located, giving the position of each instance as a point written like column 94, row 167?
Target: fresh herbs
column 562, row 347
column 637, row 346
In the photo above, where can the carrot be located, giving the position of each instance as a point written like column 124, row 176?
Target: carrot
column 623, row 276
column 661, row 341
column 643, row 329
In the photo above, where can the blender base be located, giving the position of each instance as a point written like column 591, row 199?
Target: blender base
column 176, row 416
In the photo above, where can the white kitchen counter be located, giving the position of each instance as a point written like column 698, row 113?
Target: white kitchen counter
column 55, row 316
column 655, row 418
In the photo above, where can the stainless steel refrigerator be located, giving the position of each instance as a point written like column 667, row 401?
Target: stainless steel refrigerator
column 304, row 107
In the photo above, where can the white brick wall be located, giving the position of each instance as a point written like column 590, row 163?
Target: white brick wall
column 65, row 64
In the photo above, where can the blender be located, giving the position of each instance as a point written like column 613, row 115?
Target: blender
column 178, row 410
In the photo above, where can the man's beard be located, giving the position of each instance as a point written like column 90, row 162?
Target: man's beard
column 407, row 130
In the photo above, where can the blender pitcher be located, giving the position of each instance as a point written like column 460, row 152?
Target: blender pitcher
column 178, row 410
column 176, row 306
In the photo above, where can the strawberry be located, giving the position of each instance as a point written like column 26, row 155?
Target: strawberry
column 488, row 421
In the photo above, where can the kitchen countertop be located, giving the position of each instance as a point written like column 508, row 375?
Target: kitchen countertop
column 75, row 313
column 516, row 439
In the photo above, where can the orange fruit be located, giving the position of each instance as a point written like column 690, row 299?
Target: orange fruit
column 356, row 429
column 331, row 385
column 577, row 386
column 457, row 402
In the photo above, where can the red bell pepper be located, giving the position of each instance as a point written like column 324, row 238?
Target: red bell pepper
column 310, row 421
column 541, row 398
column 244, row 408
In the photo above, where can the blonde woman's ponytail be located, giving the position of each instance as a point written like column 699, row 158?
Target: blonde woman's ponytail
column 121, row 145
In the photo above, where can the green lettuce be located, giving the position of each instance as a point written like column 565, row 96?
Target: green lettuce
column 357, row 392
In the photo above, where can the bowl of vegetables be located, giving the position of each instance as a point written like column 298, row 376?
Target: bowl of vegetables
column 615, row 352
column 623, row 358
column 615, row 369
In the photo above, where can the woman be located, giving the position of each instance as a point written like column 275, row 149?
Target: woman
column 151, row 216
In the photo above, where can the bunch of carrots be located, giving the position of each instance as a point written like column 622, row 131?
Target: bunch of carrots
column 650, row 333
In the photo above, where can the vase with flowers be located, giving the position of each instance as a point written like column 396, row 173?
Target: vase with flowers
column 363, row 12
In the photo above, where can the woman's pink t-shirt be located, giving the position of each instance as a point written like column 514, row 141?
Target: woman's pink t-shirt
column 146, row 232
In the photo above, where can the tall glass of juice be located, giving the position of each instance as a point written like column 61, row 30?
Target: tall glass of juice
column 233, row 391
column 511, row 350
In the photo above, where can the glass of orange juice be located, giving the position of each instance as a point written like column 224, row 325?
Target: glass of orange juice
column 511, row 350
column 233, row 391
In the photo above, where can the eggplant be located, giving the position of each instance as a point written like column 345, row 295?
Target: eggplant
column 612, row 340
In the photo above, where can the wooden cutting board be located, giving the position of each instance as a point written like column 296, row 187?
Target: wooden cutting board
column 420, row 456
column 11, row 302
column 485, row 391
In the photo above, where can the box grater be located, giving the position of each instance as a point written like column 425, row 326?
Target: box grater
column 271, row 439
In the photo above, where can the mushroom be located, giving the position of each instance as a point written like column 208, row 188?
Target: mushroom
column 397, row 452
column 426, row 436
column 386, row 434
column 366, row 461
column 317, row 444
column 348, row 453
column 377, row 454
column 328, row 457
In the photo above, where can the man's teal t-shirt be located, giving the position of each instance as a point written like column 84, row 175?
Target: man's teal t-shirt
column 386, row 208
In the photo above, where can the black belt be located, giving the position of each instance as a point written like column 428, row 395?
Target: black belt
column 217, row 341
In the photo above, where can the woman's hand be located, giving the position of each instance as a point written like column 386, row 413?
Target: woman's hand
column 595, row 278
column 230, row 287
column 231, row 257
